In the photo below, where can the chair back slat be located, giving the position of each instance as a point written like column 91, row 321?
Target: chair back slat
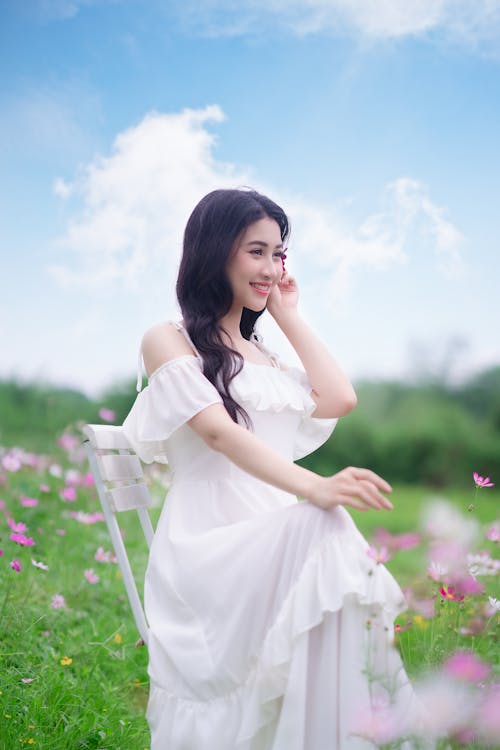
column 113, row 468
column 106, row 437
column 131, row 497
column 120, row 466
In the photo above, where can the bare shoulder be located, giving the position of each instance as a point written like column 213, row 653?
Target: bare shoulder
column 161, row 343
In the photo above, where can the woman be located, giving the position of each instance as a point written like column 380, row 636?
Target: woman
column 270, row 626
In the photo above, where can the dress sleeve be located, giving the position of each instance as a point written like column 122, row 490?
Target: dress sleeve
column 312, row 431
column 176, row 391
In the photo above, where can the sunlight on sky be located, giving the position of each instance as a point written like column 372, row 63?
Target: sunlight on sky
column 375, row 126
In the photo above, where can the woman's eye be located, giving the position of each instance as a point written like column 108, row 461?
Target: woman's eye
column 256, row 250
column 279, row 254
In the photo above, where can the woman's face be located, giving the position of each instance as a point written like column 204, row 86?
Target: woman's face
column 255, row 266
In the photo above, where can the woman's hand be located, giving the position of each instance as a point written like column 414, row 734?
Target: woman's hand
column 360, row 488
column 284, row 296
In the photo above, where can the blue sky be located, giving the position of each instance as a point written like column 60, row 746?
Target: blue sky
column 375, row 125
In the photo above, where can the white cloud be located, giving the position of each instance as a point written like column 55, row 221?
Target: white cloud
column 136, row 202
column 469, row 20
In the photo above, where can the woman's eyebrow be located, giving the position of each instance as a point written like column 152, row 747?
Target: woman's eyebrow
column 263, row 244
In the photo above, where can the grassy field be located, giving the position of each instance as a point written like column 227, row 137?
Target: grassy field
column 70, row 673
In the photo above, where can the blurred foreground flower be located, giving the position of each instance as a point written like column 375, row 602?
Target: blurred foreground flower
column 487, row 720
column 58, row 601
column 396, row 542
column 16, row 565
column 447, row 706
column 379, row 723
column 467, row 666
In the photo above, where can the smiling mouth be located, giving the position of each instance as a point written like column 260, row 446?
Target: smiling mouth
column 261, row 288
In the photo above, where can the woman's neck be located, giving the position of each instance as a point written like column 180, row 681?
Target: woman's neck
column 231, row 325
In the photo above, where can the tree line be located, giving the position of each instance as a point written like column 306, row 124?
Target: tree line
column 428, row 432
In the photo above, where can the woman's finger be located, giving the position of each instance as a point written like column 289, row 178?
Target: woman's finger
column 372, row 477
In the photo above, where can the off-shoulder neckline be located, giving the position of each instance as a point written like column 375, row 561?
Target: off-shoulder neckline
column 246, row 362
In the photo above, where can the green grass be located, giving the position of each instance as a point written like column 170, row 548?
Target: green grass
column 97, row 700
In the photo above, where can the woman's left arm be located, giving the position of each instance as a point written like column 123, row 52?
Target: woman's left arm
column 332, row 391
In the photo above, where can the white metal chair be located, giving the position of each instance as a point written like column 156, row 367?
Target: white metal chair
column 120, row 484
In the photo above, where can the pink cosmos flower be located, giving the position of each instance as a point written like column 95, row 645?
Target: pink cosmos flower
column 2, row 504
column 67, row 442
column 396, row 542
column 381, row 555
column 28, row 502
column 1, row 552
column 87, row 480
column 19, row 527
column 68, row 493
column 91, row 576
column 445, row 705
column 44, row 488
column 436, row 571
column 87, row 518
column 494, row 604
column 482, row 481
column 466, row 666
column 107, row 415
column 61, row 532
column 55, row 470
column 27, row 680
column 15, row 565
column 104, row 557
column 449, row 593
column 24, row 541
column 72, row 477
column 40, row 565
column 379, row 723
column 58, row 601
column 468, row 585
column 493, row 533
column 11, row 463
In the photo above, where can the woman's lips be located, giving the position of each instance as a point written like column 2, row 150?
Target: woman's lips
column 263, row 289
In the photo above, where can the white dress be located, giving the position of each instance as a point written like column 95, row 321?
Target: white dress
column 270, row 627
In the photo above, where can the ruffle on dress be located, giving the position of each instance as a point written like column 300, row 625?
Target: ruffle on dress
column 362, row 590
column 285, row 389
column 178, row 390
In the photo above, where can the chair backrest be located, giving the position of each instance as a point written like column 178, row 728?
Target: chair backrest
column 120, row 484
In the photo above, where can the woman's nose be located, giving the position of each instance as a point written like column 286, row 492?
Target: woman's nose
column 268, row 268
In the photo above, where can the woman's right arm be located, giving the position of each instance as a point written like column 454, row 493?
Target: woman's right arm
column 358, row 488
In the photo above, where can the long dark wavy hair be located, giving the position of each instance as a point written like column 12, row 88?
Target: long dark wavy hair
column 203, row 289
